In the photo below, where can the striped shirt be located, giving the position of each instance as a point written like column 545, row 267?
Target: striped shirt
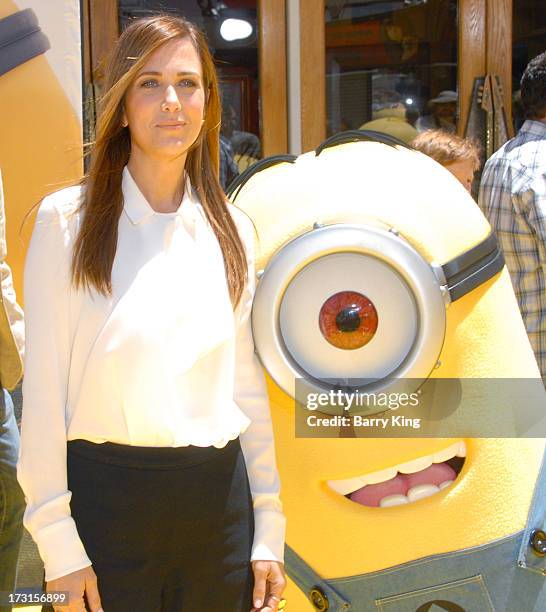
column 513, row 197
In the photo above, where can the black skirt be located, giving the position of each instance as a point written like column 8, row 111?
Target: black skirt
column 167, row 529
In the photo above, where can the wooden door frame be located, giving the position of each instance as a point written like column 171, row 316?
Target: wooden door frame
column 312, row 74
column 499, row 50
column 471, row 53
column 484, row 47
column 272, row 76
column 100, row 32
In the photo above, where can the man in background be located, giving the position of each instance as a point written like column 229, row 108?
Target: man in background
column 12, row 502
column 513, row 197
column 443, row 113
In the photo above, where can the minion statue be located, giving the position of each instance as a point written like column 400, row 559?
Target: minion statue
column 374, row 264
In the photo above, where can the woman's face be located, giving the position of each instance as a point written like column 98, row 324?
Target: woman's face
column 165, row 104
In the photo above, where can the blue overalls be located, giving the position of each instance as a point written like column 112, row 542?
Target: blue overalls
column 506, row 575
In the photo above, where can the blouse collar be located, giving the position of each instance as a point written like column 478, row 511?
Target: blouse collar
column 138, row 208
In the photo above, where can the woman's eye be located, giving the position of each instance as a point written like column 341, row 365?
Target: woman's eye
column 149, row 83
column 188, row 83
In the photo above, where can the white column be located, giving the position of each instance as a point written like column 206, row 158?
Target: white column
column 293, row 72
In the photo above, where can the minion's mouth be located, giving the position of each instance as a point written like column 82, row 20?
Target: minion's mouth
column 407, row 482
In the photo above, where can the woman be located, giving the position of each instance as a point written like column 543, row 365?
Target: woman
column 141, row 384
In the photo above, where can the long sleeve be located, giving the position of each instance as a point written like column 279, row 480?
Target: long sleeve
column 533, row 203
column 41, row 469
column 257, row 441
column 513, row 198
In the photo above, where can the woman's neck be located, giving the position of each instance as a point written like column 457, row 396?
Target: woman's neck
column 160, row 181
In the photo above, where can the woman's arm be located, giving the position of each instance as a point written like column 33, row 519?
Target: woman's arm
column 257, row 441
column 41, row 469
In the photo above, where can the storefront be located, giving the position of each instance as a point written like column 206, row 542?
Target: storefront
column 309, row 68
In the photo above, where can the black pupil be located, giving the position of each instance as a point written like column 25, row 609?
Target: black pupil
column 348, row 319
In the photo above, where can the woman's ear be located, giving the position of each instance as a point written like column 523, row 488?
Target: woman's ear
column 124, row 120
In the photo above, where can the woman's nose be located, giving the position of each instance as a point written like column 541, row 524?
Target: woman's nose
column 171, row 102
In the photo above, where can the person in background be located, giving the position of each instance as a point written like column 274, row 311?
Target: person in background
column 12, row 503
column 228, row 167
column 238, row 149
column 443, row 115
column 461, row 156
column 389, row 117
column 513, row 198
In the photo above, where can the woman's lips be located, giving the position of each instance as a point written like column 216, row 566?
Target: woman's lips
column 171, row 126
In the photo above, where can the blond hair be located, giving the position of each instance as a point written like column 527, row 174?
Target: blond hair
column 446, row 148
column 102, row 202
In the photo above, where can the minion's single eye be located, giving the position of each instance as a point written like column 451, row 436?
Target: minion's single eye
column 347, row 303
column 364, row 305
column 348, row 320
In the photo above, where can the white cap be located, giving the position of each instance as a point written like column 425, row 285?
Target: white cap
column 445, row 97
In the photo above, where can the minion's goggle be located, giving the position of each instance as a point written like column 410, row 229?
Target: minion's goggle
column 389, row 280
column 21, row 39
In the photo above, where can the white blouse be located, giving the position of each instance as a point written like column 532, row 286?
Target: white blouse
column 162, row 361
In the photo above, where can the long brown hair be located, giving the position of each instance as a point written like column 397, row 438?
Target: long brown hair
column 102, row 200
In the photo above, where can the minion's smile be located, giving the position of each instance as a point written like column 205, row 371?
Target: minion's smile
column 406, row 482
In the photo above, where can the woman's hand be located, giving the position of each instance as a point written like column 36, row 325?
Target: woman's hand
column 76, row 584
column 269, row 584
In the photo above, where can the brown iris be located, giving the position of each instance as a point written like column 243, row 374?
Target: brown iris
column 348, row 320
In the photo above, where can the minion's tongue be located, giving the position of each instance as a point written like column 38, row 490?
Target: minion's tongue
column 371, row 495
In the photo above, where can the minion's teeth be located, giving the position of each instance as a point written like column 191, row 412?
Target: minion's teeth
column 421, row 491
column 393, row 500
column 410, row 467
column 344, row 487
column 445, row 484
column 381, row 476
column 447, row 453
column 350, row 485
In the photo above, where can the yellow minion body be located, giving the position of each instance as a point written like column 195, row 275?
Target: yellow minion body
column 379, row 187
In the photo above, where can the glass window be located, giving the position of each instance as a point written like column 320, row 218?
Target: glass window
column 391, row 66
column 529, row 32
